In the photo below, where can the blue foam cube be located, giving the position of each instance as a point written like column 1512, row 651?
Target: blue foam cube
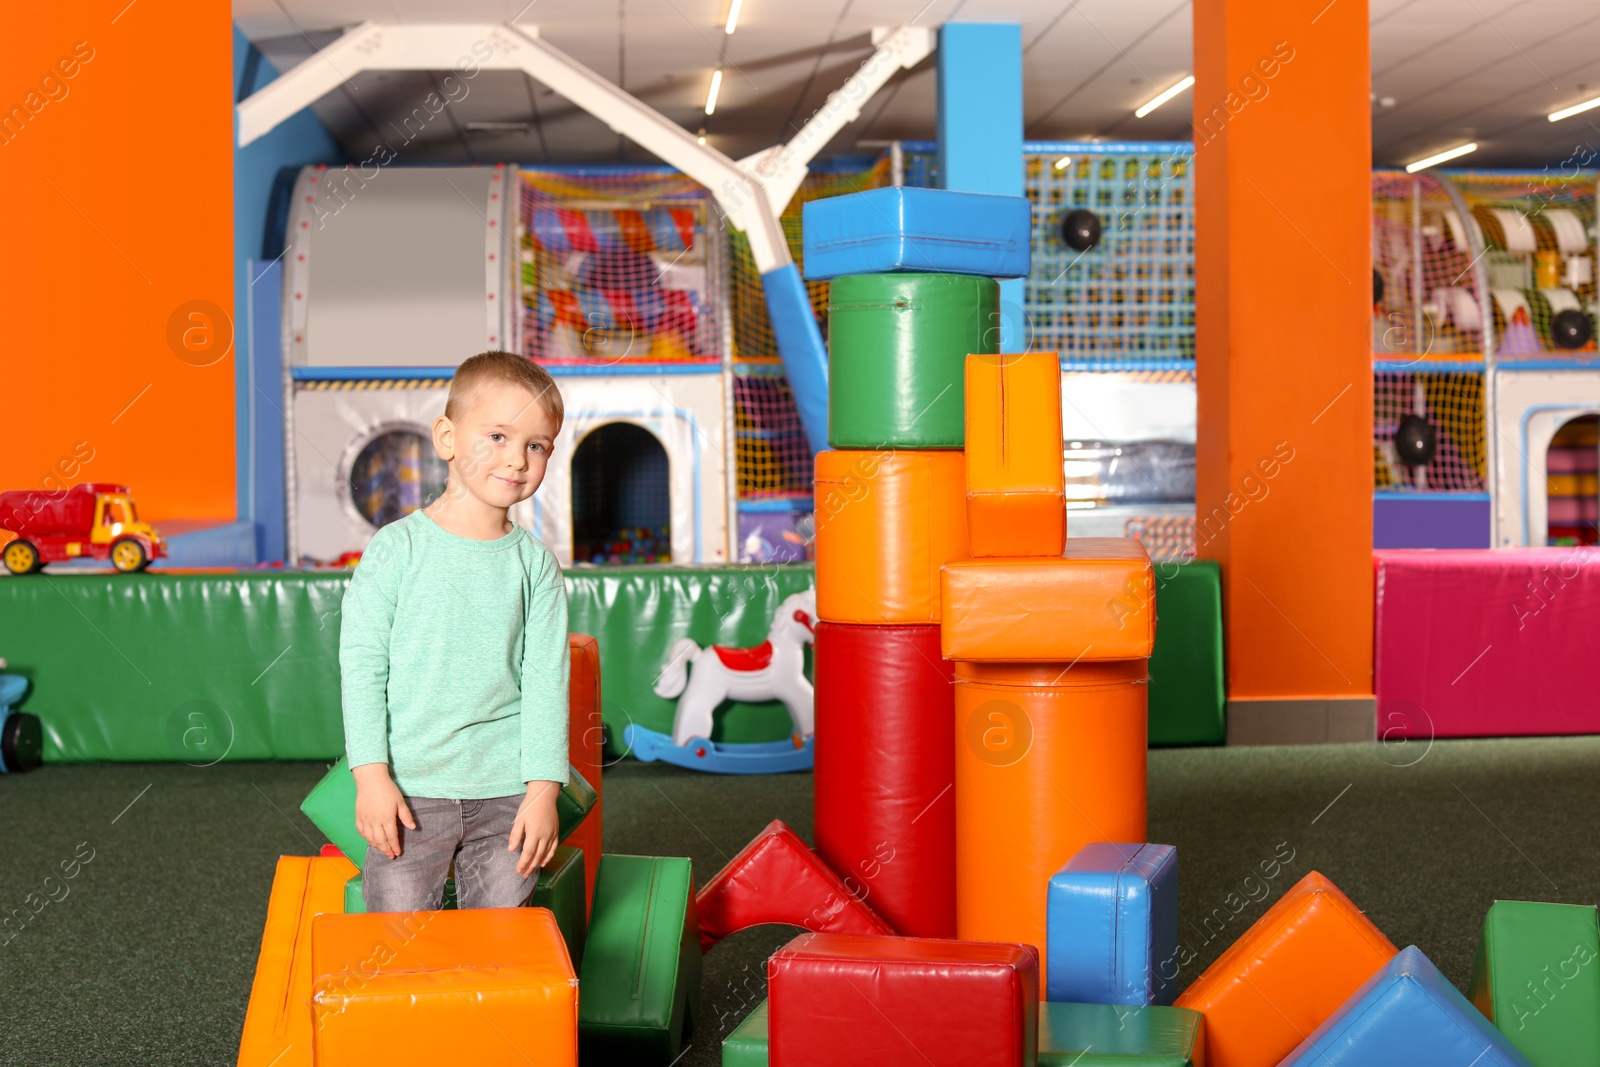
column 932, row 231
column 1112, row 922
column 1406, row 1015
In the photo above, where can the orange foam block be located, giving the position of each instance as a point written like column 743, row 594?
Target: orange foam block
column 277, row 1024
column 492, row 987
column 1016, row 504
column 1286, row 975
column 1049, row 757
column 1093, row 604
column 886, row 523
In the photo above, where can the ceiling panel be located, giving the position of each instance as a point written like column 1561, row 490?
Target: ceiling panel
column 1444, row 71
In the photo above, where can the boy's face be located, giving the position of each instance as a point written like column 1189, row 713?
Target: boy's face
column 499, row 444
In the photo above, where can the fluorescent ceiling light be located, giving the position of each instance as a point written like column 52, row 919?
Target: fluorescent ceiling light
column 1063, row 163
column 1157, row 101
column 1448, row 154
column 1567, row 112
column 716, row 87
column 733, row 17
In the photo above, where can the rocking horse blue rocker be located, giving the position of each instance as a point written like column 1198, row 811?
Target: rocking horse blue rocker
column 772, row 670
column 21, row 737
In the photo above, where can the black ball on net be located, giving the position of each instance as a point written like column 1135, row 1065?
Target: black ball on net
column 1377, row 286
column 1080, row 229
column 1416, row 441
column 1570, row 329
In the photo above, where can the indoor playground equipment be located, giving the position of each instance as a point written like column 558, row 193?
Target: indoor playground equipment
column 702, row 679
column 1483, row 338
column 21, row 738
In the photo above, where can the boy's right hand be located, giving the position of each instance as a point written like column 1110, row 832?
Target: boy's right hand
column 380, row 808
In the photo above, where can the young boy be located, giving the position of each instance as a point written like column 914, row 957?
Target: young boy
column 453, row 652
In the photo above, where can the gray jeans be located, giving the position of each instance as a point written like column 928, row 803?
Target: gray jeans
column 474, row 833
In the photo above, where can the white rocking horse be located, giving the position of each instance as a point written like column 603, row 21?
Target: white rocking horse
column 772, row 670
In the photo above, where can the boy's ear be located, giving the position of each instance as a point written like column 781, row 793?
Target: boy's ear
column 444, row 438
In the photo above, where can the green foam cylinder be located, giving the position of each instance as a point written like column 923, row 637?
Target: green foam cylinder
column 640, row 981
column 1536, row 976
column 1119, row 1035
column 897, row 353
column 331, row 807
column 747, row 1045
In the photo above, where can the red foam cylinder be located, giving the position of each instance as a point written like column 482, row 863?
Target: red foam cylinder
column 777, row 879
column 885, row 771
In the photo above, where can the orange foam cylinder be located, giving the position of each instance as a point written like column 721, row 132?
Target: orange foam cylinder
column 1049, row 757
column 1096, row 603
column 886, row 522
column 1285, row 975
column 1016, row 502
column 277, row 1024
column 481, row 986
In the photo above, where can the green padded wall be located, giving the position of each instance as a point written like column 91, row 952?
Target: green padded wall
column 897, row 356
column 244, row 665
column 1536, row 976
column 1187, row 685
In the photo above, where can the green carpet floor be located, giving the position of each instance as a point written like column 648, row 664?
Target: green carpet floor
column 145, row 955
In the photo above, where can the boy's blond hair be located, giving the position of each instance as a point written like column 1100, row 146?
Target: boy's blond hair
column 507, row 367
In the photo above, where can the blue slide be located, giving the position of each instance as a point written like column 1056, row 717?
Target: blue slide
column 805, row 358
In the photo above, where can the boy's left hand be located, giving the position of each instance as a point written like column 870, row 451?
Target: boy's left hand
column 537, row 828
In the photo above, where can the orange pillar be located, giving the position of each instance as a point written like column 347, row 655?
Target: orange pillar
column 116, row 169
column 1283, row 347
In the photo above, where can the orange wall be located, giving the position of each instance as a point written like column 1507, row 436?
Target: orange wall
column 118, row 197
column 1283, row 231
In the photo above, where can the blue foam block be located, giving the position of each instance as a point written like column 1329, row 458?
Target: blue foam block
column 934, row 231
column 1406, row 1015
column 1112, row 922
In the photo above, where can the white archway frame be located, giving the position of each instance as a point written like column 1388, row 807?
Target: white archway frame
column 753, row 191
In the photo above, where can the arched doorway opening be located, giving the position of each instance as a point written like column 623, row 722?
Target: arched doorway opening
column 1572, row 468
column 621, row 497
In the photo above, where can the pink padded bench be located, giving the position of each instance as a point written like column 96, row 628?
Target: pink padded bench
column 1487, row 642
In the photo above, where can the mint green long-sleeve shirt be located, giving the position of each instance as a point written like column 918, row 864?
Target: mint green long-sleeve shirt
column 454, row 663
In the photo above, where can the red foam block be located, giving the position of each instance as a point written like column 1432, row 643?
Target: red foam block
column 842, row 1000
column 777, row 879
column 331, row 852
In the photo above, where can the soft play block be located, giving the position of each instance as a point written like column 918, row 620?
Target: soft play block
column 1187, row 690
column 1536, row 977
column 1517, row 621
column 1113, row 920
column 897, row 344
column 641, row 962
column 355, row 901
column 777, row 879
column 331, row 807
column 844, row 1000
column 910, row 229
column 1015, row 482
column 886, row 523
column 1115, row 1035
column 1049, row 758
column 482, row 986
column 277, row 1024
column 746, row 1046
column 1407, row 1015
column 885, row 760
column 562, row 889
column 586, row 747
column 1286, row 975
column 1093, row 604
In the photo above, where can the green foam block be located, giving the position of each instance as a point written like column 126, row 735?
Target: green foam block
column 747, row 1045
column 897, row 356
column 640, row 981
column 331, row 807
column 1119, row 1035
column 1187, row 686
column 1536, row 976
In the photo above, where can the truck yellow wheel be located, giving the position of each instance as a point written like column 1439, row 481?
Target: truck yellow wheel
column 21, row 558
column 128, row 556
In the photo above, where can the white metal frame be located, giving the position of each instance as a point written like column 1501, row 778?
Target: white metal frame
column 752, row 191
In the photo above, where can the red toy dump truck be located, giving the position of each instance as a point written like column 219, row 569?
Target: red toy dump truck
column 94, row 519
